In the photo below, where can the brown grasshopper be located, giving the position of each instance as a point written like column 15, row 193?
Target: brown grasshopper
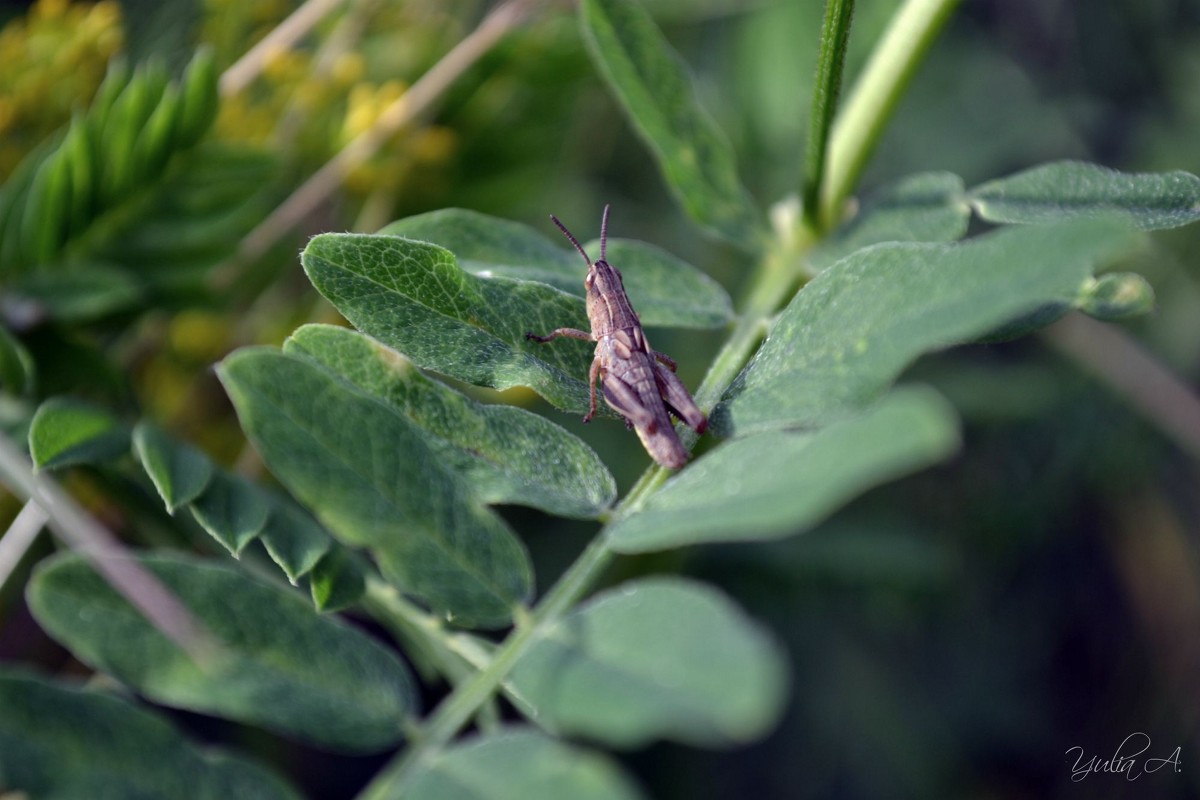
column 635, row 381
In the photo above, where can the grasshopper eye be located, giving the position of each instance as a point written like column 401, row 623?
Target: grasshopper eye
column 589, row 280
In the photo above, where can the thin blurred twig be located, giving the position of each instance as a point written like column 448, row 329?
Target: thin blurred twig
column 416, row 101
column 19, row 537
column 283, row 36
column 1114, row 357
column 106, row 554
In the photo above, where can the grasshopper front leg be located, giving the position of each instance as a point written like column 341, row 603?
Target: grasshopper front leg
column 593, row 373
column 570, row 333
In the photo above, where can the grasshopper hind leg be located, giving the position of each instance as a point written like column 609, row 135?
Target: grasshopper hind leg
column 624, row 401
column 677, row 400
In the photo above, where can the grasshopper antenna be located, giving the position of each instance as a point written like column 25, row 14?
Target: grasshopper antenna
column 604, row 234
column 575, row 241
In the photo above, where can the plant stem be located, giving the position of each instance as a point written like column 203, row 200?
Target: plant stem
column 773, row 283
column 19, row 537
column 770, row 288
column 874, row 98
column 835, row 33
column 456, row 709
column 107, row 556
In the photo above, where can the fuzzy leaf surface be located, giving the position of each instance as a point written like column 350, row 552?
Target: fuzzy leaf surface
column 42, row 721
column 178, row 471
column 1070, row 189
column 664, row 290
column 280, row 664
column 232, row 509
column 373, row 480
column 337, row 580
column 415, row 298
column 926, row 207
column 778, row 483
column 516, row 764
column 66, row 432
column 654, row 658
column 850, row 332
column 506, row 454
column 293, row 539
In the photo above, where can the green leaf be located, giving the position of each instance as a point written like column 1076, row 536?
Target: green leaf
column 651, row 82
column 179, row 471
column 66, row 432
column 281, row 665
column 1069, row 189
column 337, row 580
column 926, row 207
column 507, row 455
column 515, row 764
column 853, row 329
column 57, row 741
column 1118, row 295
column 413, row 297
column 654, row 658
column 490, row 245
column 293, row 539
column 665, row 290
column 232, row 509
column 18, row 374
column 779, row 483
column 81, row 293
column 373, row 480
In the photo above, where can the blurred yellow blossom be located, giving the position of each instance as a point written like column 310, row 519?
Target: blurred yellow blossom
column 51, row 60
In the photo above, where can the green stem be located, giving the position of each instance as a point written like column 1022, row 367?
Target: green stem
column 835, row 33
column 771, row 286
column 853, row 138
column 874, row 98
column 456, row 709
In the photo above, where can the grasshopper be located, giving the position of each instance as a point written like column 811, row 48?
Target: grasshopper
column 639, row 383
